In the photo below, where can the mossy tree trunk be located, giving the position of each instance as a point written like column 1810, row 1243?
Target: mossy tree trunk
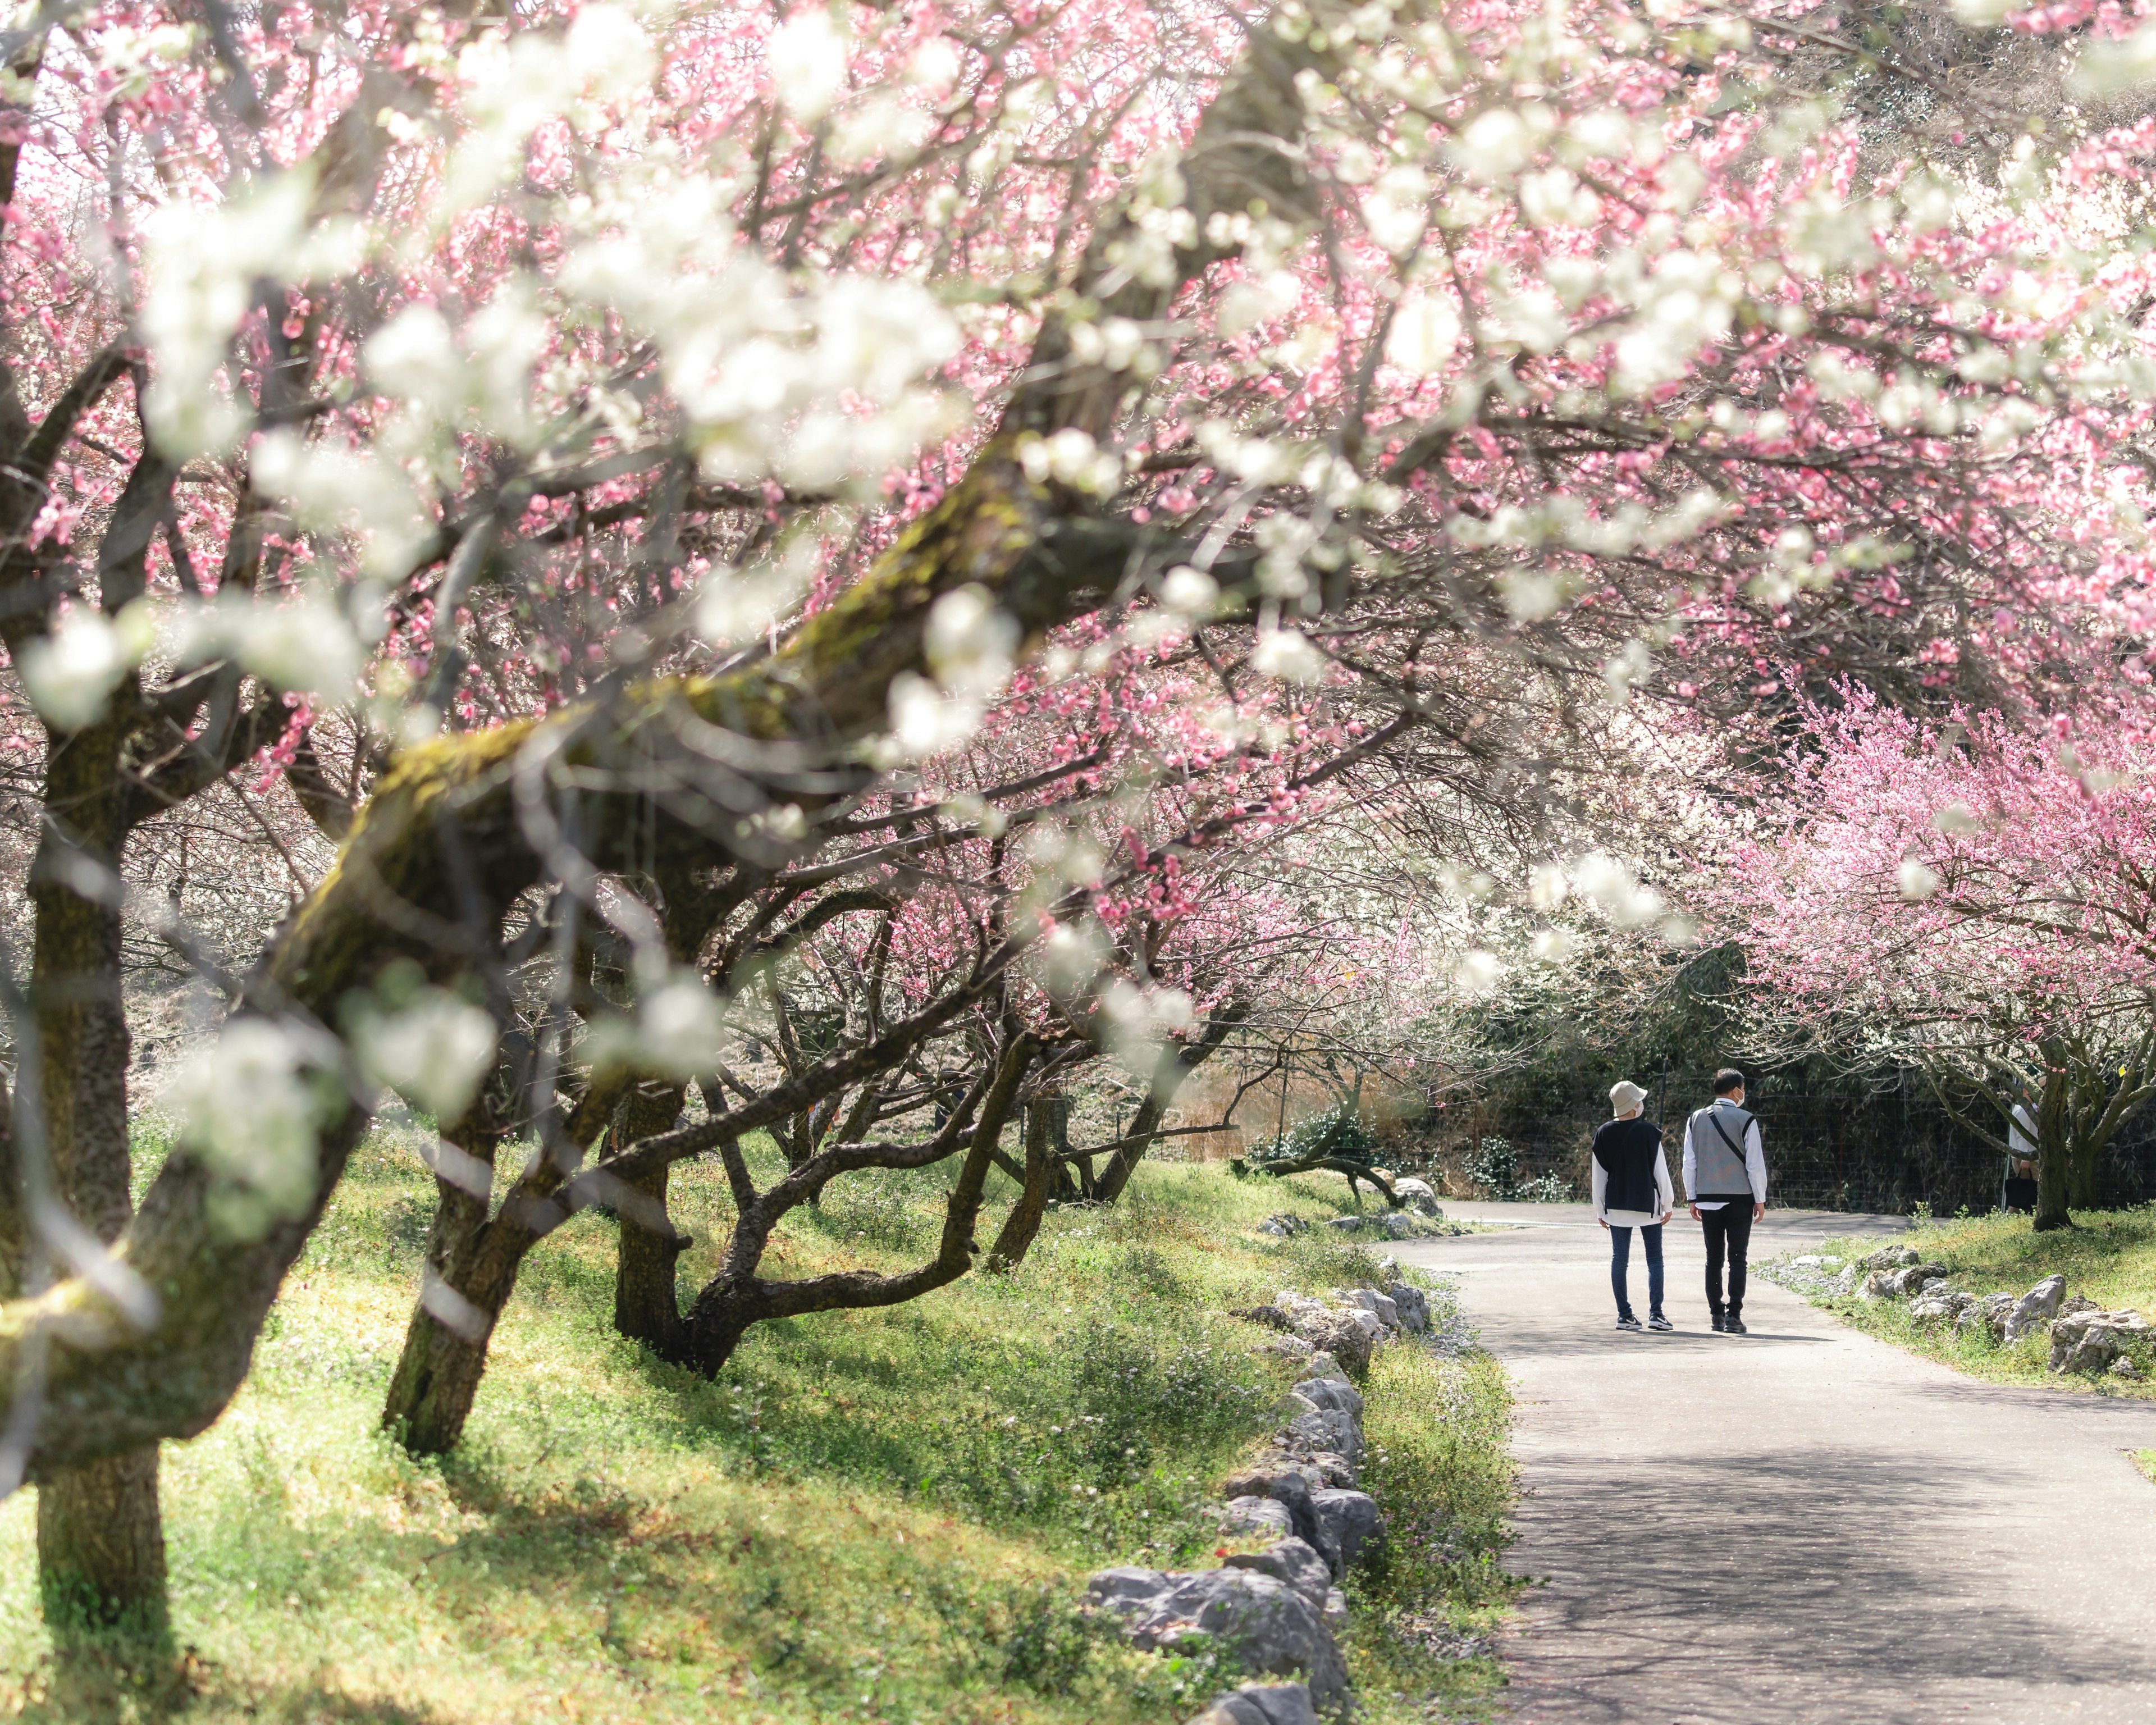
column 101, row 1534
column 447, row 825
column 737, row 1298
column 1160, row 1096
column 2053, row 1161
column 438, row 1373
column 647, row 1307
column 1024, row 1222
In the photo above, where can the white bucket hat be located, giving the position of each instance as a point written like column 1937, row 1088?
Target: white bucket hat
column 1624, row 1097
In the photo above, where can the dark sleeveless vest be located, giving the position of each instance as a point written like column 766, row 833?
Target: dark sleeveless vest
column 1625, row 1148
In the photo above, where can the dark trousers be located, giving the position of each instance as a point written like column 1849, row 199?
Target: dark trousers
column 1620, row 1259
column 1729, row 1225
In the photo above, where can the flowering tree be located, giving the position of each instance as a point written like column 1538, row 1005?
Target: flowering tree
column 588, row 458
column 1974, row 896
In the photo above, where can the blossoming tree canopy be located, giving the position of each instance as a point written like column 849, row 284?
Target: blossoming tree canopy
column 1969, row 896
column 611, row 461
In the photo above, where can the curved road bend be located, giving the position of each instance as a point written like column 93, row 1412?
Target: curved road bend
column 1801, row 1525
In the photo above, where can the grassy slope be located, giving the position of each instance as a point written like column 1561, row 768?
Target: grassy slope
column 874, row 1515
column 2111, row 1257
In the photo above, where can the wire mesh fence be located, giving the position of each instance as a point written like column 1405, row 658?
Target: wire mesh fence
column 1829, row 1145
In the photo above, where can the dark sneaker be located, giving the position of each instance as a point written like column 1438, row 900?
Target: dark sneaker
column 1628, row 1322
column 1733, row 1325
column 1719, row 1321
column 1657, row 1321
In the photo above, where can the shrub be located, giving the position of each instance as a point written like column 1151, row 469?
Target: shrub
column 1494, row 1168
column 1336, row 1131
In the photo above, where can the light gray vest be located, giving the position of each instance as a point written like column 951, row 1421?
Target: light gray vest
column 1718, row 1170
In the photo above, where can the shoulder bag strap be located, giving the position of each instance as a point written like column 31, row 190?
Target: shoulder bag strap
column 1722, row 1132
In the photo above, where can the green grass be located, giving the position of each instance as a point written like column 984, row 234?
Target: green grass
column 872, row 1516
column 2145, row 1459
column 2110, row 1256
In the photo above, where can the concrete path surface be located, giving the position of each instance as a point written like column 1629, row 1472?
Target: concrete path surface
column 1801, row 1525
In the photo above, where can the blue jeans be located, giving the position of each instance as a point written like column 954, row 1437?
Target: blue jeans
column 1620, row 1257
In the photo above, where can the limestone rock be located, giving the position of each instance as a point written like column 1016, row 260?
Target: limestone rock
column 1889, row 1258
column 1354, row 1520
column 1416, row 1194
column 1988, row 1313
column 1321, row 1364
column 1293, row 1492
column 1413, row 1306
column 1258, row 1481
column 1938, row 1304
column 1261, row 1704
column 1284, row 1226
column 1258, row 1514
column 1340, row 1336
column 1293, row 1561
column 2089, row 1342
column 1914, row 1278
column 1381, row 1306
column 1332, row 1392
column 1267, row 1625
column 1336, row 1469
column 1325, row 1429
column 1286, row 1347
column 1392, row 1225
column 2036, row 1308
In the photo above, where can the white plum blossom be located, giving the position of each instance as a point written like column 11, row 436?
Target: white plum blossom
column 251, row 1104
column 1424, row 333
column 1915, row 881
column 935, row 65
column 306, row 644
column 433, row 1051
column 202, row 265
column 1612, row 888
column 1287, row 653
column 924, row 721
column 71, row 673
column 679, row 1026
column 1479, row 974
column 356, row 491
column 970, row 643
column 1553, row 946
column 1393, row 209
column 808, row 55
column 1191, row 592
column 1496, row 144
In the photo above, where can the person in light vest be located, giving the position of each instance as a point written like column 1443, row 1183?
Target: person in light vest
column 1632, row 1190
column 1725, row 1171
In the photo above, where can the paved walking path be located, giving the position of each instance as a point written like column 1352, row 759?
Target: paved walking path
column 1801, row 1525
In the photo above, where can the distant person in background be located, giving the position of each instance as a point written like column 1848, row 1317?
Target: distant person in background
column 2019, row 1191
column 1632, row 1190
column 1725, row 1171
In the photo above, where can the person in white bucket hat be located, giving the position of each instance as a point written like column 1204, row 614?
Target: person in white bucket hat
column 1632, row 1189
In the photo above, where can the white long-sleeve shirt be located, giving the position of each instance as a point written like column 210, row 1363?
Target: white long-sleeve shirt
column 1665, row 1197
column 1755, row 1166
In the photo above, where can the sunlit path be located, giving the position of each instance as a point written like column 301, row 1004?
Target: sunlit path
column 1803, row 1524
